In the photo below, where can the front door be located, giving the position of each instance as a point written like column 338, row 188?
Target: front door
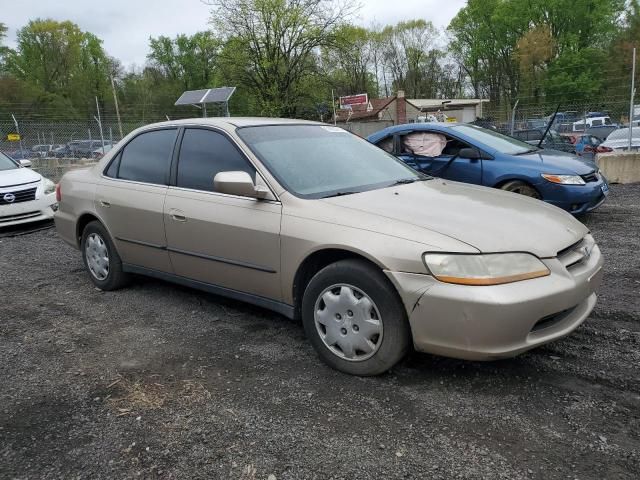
column 223, row 240
column 448, row 164
column 130, row 199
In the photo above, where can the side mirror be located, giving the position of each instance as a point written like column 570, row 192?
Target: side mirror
column 470, row 153
column 25, row 163
column 238, row 183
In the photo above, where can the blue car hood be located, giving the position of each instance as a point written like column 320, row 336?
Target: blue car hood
column 561, row 162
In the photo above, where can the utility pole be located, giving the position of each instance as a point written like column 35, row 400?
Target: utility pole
column 115, row 100
column 633, row 94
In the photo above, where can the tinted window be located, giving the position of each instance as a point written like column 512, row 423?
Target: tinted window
column 203, row 154
column 112, row 171
column 146, row 158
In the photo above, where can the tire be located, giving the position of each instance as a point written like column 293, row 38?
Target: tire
column 522, row 188
column 362, row 309
column 95, row 243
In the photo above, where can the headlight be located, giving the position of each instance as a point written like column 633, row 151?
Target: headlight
column 49, row 186
column 564, row 179
column 489, row 269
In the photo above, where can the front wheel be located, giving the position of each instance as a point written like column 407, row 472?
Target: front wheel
column 354, row 318
column 522, row 188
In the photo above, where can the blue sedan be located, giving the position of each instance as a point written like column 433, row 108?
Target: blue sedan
column 471, row 154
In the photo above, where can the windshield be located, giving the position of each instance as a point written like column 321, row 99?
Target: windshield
column 6, row 163
column 316, row 161
column 494, row 140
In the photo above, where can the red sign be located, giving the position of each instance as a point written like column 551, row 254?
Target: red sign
column 354, row 100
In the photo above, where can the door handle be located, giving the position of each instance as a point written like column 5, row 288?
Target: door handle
column 178, row 215
column 105, row 204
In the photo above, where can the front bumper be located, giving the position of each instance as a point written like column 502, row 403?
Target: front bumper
column 488, row 323
column 36, row 210
column 575, row 199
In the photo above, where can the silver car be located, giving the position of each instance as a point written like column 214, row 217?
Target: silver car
column 317, row 224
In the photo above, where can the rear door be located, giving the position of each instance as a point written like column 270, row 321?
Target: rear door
column 223, row 240
column 130, row 198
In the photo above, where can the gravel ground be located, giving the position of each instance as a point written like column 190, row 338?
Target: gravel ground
column 159, row 381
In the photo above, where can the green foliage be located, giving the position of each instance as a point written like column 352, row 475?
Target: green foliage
column 286, row 56
column 538, row 51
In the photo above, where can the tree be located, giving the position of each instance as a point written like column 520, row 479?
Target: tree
column 274, row 46
column 189, row 61
column 348, row 63
column 68, row 67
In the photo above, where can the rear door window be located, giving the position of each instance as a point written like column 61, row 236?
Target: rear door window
column 205, row 153
column 147, row 157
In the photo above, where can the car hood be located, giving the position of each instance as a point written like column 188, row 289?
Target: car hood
column 489, row 220
column 18, row 176
column 561, row 162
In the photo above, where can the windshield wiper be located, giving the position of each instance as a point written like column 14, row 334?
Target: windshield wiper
column 340, row 194
column 529, row 151
column 404, row 181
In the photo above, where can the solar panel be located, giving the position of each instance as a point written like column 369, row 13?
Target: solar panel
column 217, row 95
column 191, row 97
column 210, row 95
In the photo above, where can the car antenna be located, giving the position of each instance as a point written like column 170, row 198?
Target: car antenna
column 546, row 132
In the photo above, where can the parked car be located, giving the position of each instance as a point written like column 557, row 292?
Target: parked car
column 99, row 152
column 475, row 155
column 619, row 139
column 587, row 146
column 25, row 196
column 20, row 154
column 315, row 223
column 592, row 122
column 44, row 150
column 80, row 148
column 552, row 140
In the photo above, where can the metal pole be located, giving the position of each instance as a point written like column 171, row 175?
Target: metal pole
column 633, row 93
column 333, row 102
column 115, row 100
column 15, row 122
column 100, row 124
column 513, row 116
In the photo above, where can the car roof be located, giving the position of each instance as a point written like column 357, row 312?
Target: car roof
column 236, row 122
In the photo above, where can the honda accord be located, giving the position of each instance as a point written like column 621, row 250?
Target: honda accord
column 315, row 223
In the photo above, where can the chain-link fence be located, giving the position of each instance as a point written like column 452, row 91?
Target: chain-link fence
column 54, row 145
column 598, row 118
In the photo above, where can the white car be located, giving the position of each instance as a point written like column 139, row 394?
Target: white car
column 579, row 126
column 25, row 196
column 619, row 139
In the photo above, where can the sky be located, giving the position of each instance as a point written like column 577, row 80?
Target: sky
column 126, row 25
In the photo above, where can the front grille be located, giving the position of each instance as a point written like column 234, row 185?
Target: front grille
column 590, row 177
column 20, row 196
column 577, row 253
column 551, row 320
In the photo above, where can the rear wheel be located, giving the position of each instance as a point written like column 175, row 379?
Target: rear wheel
column 522, row 188
column 354, row 319
column 101, row 258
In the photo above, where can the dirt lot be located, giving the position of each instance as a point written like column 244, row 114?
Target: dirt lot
column 159, row 381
